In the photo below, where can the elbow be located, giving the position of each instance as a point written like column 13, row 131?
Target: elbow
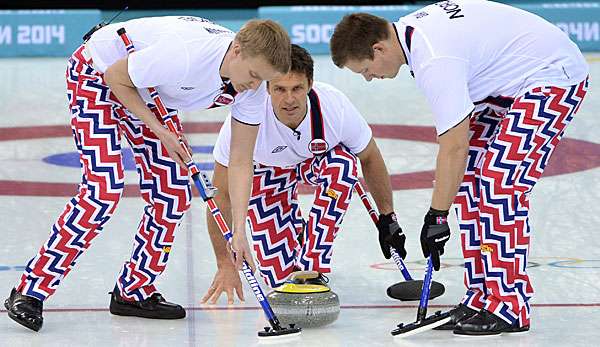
column 109, row 76
column 117, row 74
column 458, row 150
column 240, row 167
column 238, row 162
column 364, row 163
column 462, row 152
column 222, row 199
column 240, row 157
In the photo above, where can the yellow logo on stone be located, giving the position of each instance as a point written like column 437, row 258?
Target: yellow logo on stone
column 486, row 248
column 167, row 249
column 331, row 193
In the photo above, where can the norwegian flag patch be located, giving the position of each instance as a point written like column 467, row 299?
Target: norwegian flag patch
column 318, row 146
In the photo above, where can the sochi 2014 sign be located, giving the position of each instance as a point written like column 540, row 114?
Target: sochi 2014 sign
column 44, row 32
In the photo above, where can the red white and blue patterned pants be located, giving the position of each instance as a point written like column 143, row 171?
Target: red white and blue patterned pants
column 99, row 122
column 283, row 242
column 509, row 150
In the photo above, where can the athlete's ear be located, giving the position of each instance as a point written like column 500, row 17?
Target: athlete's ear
column 236, row 49
column 378, row 48
column 310, row 83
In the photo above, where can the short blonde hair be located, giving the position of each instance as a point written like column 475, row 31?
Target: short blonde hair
column 268, row 39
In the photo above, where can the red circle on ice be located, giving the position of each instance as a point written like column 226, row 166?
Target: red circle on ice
column 570, row 156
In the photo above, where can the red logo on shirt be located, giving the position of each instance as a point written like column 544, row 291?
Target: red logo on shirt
column 224, row 99
column 318, row 146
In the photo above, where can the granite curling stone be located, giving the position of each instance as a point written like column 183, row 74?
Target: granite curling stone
column 304, row 304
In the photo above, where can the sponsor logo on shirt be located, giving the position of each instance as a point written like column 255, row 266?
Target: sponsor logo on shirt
column 204, row 20
column 188, row 88
column 421, row 14
column 278, row 149
column 194, row 19
column 216, row 31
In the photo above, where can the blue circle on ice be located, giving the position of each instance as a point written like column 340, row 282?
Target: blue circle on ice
column 71, row 159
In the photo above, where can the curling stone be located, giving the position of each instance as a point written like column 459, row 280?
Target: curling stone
column 305, row 300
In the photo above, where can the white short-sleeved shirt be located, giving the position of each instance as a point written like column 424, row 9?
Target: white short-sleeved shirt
column 463, row 52
column 278, row 145
column 180, row 56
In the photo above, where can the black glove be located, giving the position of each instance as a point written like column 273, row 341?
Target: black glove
column 390, row 234
column 434, row 235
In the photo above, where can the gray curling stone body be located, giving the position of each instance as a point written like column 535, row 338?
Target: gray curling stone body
column 306, row 310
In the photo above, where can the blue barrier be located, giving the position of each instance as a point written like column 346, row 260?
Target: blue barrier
column 581, row 20
column 44, row 32
column 312, row 26
column 59, row 32
column 231, row 19
column 216, row 15
column 56, row 33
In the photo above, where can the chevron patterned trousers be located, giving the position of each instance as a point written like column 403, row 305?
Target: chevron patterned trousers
column 509, row 150
column 99, row 122
column 282, row 240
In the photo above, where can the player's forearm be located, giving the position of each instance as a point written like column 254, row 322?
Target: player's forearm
column 378, row 182
column 240, row 172
column 449, row 172
column 216, row 237
column 240, row 182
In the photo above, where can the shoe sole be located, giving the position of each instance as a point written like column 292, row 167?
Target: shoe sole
column 516, row 332
column 443, row 328
column 117, row 311
column 471, row 334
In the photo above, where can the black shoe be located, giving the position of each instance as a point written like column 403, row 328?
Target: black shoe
column 516, row 328
column 486, row 323
column 25, row 310
column 155, row 307
column 459, row 314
